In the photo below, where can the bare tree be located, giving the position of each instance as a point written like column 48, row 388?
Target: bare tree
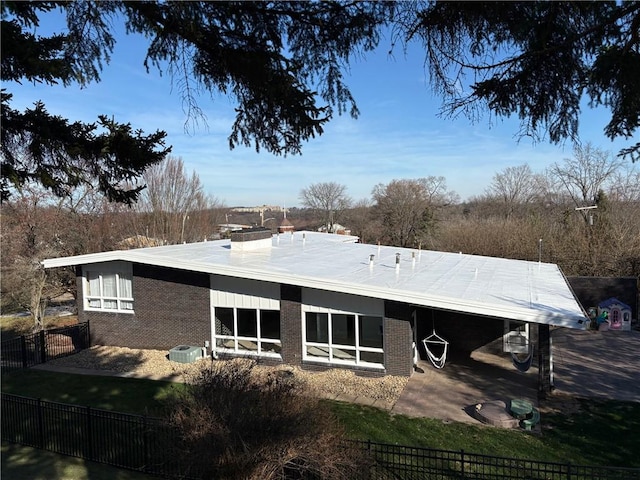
column 175, row 204
column 406, row 208
column 583, row 176
column 362, row 222
column 328, row 199
column 436, row 192
column 625, row 185
column 35, row 226
column 514, row 187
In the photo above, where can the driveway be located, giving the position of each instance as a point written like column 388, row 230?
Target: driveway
column 592, row 364
column 603, row 365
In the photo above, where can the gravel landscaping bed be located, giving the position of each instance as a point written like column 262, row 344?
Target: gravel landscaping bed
column 155, row 364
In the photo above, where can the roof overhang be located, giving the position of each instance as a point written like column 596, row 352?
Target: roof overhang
column 484, row 286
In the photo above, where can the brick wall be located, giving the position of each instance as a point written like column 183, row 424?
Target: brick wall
column 291, row 324
column 398, row 338
column 171, row 308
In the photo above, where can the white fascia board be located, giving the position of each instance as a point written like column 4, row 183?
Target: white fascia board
column 86, row 259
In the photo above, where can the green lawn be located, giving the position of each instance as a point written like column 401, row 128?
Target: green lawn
column 20, row 463
column 143, row 397
column 603, row 433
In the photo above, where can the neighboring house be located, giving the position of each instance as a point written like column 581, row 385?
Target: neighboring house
column 335, row 228
column 316, row 300
column 231, row 227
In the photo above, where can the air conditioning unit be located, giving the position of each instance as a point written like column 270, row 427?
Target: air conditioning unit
column 185, row 354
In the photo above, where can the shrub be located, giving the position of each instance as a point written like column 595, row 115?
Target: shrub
column 238, row 421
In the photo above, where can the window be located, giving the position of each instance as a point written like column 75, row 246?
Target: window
column 343, row 338
column 108, row 290
column 247, row 330
column 516, row 337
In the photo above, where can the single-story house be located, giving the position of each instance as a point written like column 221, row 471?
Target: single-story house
column 317, row 300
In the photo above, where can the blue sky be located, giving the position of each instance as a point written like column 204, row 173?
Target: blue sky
column 399, row 133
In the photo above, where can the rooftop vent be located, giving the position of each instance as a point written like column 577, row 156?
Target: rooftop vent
column 185, row 354
column 251, row 239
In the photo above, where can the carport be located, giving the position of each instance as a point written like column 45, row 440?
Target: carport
column 464, row 332
column 587, row 364
column 449, row 394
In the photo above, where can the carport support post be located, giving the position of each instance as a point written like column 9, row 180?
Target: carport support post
column 544, row 360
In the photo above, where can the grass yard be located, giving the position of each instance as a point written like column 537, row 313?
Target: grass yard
column 139, row 396
column 20, row 462
column 601, row 433
column 597, row 433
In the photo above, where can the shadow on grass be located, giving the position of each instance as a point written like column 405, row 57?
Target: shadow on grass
column 604, row 432
column 128, row 395
column 20, row 462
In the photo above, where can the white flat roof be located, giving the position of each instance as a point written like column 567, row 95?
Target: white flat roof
column 487, row 286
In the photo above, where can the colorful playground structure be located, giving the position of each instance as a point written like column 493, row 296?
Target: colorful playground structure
column 611, row 314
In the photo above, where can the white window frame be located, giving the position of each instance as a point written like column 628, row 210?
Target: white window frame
column 332, row 347
column 122, row 272
column 236, row 339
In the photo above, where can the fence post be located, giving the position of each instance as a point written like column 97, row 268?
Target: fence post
column 88, row 339
column 23, row 348
column 89, row 441
column 462, row 463
column 568, row 470
column 43, row 346
column 145, row 443
column 41, row 441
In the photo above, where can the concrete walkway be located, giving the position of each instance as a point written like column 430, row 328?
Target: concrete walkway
column 105, row 373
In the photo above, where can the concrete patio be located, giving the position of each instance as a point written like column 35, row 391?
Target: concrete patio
column 603, row 365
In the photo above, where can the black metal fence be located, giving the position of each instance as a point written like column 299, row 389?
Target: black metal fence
column 40, row 347
column 141, row 443
column 402, row 462
column 133, row 442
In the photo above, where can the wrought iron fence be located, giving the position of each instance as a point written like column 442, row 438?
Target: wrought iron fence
column 40, row 347
column 403, row 462
column 133, row 442
column 141, row 443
